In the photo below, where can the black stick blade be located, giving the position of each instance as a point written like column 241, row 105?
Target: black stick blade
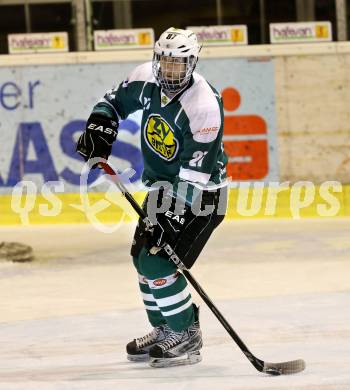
column 285, row 368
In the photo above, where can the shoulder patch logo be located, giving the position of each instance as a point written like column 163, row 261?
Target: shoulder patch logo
column 164, row 99
column 146, row 103
column 160, row 137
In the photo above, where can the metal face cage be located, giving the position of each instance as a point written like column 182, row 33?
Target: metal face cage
column 173, row 73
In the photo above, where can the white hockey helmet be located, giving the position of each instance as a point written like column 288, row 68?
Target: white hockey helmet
column 175, row 58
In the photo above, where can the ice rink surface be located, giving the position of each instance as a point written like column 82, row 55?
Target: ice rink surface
column 283, row 285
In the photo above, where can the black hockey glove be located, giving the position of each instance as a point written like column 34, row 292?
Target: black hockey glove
column 97, row 140
column 164, row 232
column 167, row 230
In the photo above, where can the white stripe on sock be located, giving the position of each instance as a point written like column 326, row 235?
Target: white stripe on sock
column 165, row 281
column 173, row 299
column 178, row 310
column 142, row 279
column 153, row 308
column 148, row 297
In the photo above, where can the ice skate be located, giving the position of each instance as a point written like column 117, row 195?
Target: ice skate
column 178, row 348
column 138, row 349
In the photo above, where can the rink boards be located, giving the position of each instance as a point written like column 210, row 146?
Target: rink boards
column 100, row 209
column 286, row 121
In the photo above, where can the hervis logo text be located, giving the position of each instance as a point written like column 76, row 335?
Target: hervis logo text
column 159, row 282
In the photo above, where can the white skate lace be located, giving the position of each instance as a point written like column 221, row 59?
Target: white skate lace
column 171, row 340
column 148, row 338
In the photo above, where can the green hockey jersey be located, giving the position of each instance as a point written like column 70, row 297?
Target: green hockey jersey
column 181, row 138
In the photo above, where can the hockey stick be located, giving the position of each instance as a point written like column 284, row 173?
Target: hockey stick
column 283, row 368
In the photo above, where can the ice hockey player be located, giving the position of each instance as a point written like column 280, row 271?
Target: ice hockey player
column 181, row 142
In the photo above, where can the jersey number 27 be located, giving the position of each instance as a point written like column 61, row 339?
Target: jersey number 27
column 197, row 158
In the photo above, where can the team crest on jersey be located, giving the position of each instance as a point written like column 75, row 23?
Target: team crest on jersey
column 160, row 137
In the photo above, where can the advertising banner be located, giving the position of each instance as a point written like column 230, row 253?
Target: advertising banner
column 300, row 32
column 44, row 110
column 221, row 35
column 38, row 43
column 247, row 89
column 123, row 39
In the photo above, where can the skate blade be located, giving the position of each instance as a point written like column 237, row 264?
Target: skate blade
column 138, row 358
column 192, row 358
